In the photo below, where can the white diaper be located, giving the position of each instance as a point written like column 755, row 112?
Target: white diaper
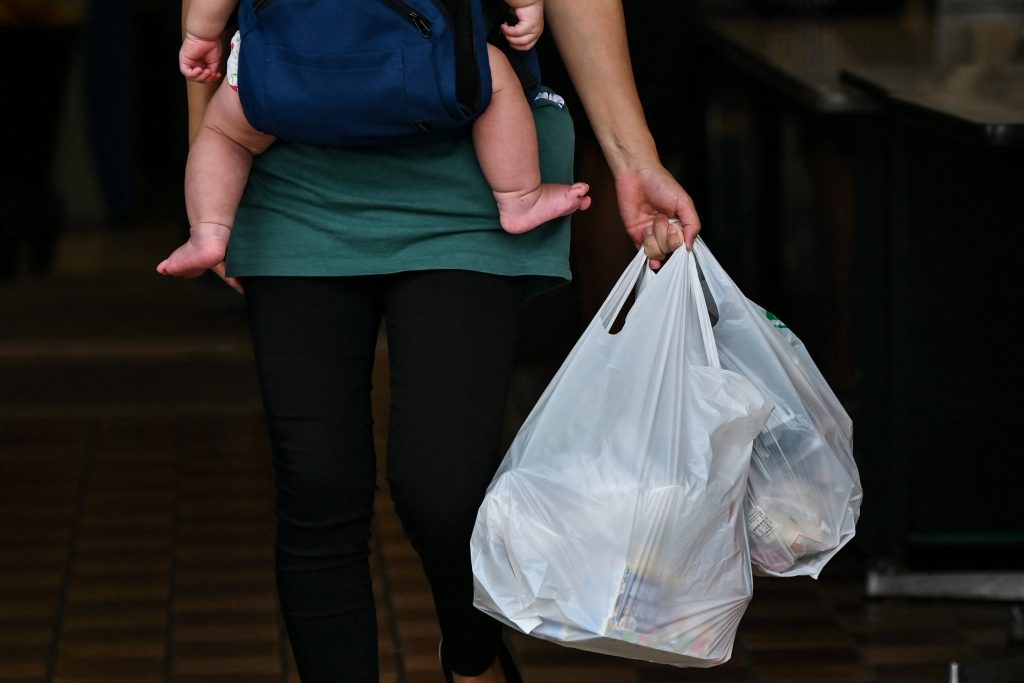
column 232, row 67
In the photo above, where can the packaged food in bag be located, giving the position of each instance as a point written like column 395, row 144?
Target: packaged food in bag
column 804, row 491
column 615, row 523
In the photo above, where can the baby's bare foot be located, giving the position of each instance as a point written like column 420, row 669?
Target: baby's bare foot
column 521, row 213
column 206, row 248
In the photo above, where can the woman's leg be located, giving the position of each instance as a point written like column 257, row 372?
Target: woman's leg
column 314, row 340
column 452, row 341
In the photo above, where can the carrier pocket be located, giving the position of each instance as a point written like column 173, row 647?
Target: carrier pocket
column 313, row 93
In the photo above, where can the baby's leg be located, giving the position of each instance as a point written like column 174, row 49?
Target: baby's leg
column 215, row 176
column 506, row 146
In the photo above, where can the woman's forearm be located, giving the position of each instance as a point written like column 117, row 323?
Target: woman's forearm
column 591, row 38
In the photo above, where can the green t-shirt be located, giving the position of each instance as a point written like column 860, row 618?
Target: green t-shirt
column 310, row 211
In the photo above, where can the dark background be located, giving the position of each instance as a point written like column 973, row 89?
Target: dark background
column 91, row 187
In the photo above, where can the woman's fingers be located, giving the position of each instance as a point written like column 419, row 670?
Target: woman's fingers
column 232, row 282
column 661, row 238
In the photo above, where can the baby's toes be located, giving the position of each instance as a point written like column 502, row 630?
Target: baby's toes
column 579, row 189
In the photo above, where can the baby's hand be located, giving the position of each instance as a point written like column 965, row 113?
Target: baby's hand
column 527, row 30
column 199, row 59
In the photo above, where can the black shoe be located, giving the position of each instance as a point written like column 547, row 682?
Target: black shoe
column 505, row 658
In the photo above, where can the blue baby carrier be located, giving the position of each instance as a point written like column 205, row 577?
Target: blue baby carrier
column 361, row 72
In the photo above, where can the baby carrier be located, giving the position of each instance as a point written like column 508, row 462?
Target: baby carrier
column 361, row 72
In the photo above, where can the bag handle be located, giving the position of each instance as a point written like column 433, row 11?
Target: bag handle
column 620, row 292
column 697, row 292
column 634, row 274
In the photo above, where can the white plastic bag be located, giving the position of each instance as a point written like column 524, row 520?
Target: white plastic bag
column 804, row 490
column 615, row 523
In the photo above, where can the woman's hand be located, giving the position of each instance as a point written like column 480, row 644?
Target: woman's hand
column 658, row 213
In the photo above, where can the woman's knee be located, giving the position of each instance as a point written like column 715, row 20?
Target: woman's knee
column 324, row 504
column 437, row 513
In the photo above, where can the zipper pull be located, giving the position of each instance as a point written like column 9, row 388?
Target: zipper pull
column 421, row 23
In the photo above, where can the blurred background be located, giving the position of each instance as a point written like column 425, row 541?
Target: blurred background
column 857, row 166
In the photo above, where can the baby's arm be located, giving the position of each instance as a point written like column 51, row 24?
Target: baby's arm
column 527, row 30
column 202, row 48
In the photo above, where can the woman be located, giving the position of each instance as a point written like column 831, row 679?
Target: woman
column 329, row 242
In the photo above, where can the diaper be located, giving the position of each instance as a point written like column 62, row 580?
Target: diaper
column 232, row 67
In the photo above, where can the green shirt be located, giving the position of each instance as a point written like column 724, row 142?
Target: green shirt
column 310, row 211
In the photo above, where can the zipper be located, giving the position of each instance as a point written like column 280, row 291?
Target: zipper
column 420, row 22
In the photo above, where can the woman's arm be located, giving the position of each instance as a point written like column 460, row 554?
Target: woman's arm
column 591, row 38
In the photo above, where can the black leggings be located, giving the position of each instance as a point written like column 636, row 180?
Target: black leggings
column 451, row 340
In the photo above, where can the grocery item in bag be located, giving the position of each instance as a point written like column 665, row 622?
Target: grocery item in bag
column 804, row 492
column 615, row 523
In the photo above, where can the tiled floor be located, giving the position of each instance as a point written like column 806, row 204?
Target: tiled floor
column 135, row 520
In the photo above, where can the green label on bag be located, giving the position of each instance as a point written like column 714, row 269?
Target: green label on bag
column 774, row 320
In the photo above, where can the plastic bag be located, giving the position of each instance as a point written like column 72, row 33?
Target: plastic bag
column 804, row 492
column 615, row 522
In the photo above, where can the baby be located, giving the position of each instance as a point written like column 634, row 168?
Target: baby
column 221, row 155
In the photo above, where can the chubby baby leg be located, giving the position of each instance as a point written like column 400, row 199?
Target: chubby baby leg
column 506, row 146
column 215, row 176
